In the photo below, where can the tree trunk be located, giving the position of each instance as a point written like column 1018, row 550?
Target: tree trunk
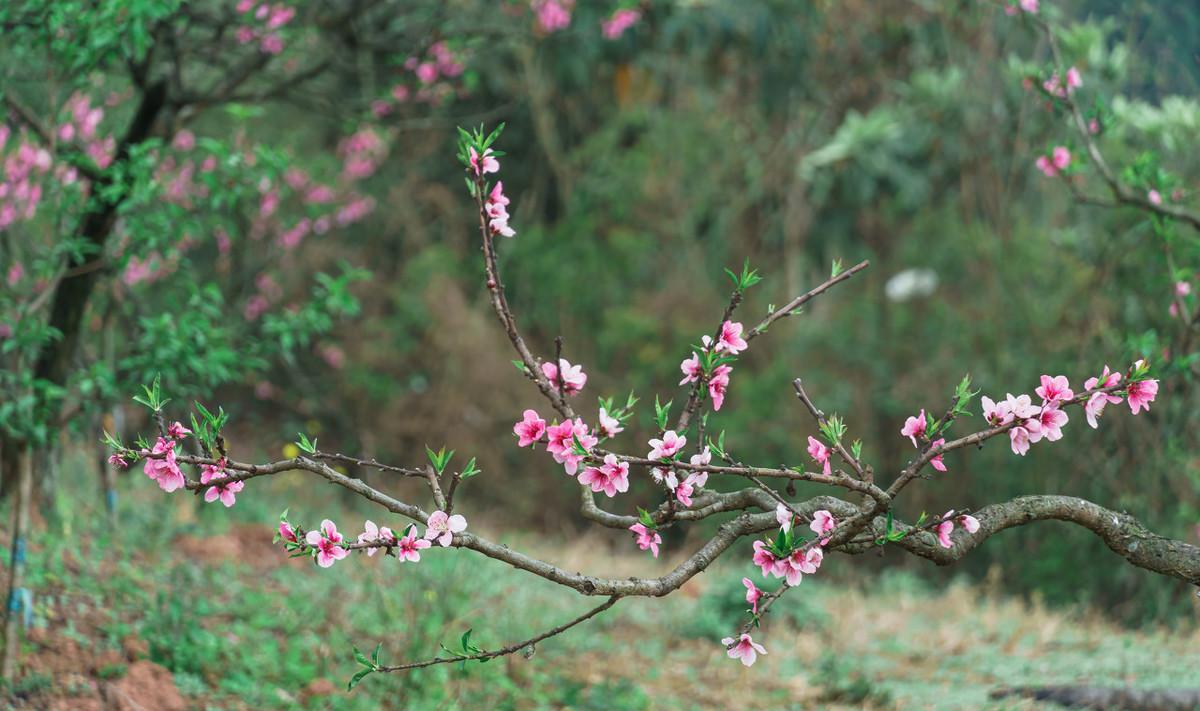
column 17, row 599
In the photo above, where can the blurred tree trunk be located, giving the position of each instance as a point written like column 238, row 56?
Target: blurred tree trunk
column 16, row 601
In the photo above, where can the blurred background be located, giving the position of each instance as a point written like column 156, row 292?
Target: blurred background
column 290, row 239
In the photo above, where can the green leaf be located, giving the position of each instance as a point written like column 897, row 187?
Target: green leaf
column 662, row 413
column 779, row 545
column 305, row 445
column 645, row 518
column 357, row 678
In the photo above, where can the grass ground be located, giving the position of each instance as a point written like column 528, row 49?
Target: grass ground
column 190, row 606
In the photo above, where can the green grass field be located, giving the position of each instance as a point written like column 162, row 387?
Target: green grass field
column 200, row 591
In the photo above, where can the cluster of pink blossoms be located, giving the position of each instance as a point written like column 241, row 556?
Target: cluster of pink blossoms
column 820, row 454
column 804, row 559
column 226, row 492
column 1029, row 423
column 681, row 486
column 497, row 211
column 28, row 166
column 792, row 568
column 1056, row 87
column 555, row 15
column 731, row 342
column 361, row 153
column 496, row 207
column 562, row 439
column 610, row 477
column 267, row 19
column 20, row 190
column 164, row 470
column 328, row 544
column 621, row 20
column 428, row 84
column 1054, row 164
column 552, row 15
column 946, row 527
column 647, row 538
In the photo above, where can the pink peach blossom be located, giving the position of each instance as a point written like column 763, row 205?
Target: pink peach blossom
column 375, row 534
column 408, row 548
column 943, row 532
column 718, row 385
column 647, row 539
column 530, row 429
column 1050, row 424
column 936, row 461
column 683, row 490
column 666, row 447
column 731, row 340
column 1054, row 388
column 609, row 426
column 226, row 492
column 914, row 427
column 561, row 443
column 996, row 414
column 823, row 522
column 691, row 369
column 1019, row 437
column 611, row 477
column 744, row 648
column 1106, row 380
column 164, row 470
column 784, row 516
column 820, row 453
column 287, row 533
column 573, row 377
column 1095, row 407
column 1021, row 406
column 482, row 164
column 1141, row 394
column 442, row 527
column 800, row 563
column 766, row 560
column 326, row 542
column 753, row 594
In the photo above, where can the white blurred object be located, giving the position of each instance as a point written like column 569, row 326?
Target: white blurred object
column 911, row 283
